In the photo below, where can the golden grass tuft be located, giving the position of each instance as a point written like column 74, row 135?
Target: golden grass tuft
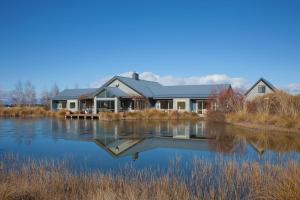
column 206, row 180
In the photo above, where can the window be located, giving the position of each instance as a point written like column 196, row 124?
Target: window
column 261, row 89
column 72, row 105
column 166, row 104
column 181, row 105
column 105, row 106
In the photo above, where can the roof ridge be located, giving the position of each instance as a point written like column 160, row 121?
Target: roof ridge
column 139, row 79
column 198, row 85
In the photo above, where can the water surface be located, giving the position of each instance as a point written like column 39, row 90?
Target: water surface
column 105, row 146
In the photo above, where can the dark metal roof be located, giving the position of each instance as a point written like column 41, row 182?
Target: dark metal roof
column 68, row 94
column 270, row 85
column 146, row 88
column 190, row 91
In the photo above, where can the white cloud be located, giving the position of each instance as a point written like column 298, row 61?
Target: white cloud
column 99, row 82
column 294, row 88
column 236, row 82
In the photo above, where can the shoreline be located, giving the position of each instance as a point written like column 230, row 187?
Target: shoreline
column 265, row 127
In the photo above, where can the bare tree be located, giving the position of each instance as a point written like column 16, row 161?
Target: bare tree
column 17, row 95
column 29, row 94
column 1, row 98
column 54, row 90
column 46, row 97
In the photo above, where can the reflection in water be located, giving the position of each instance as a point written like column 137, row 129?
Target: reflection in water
column 129, row 138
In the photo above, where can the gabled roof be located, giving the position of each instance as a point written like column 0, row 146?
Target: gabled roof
column 190, row 91
column 271, row 86
column 144, row 88
column 68, row 94
column 151, row 89
column 116, row 92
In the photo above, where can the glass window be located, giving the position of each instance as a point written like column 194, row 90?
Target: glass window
column 72, row 105
column 261, row 89
column 181, row 105
column 166, row 104
column 104, row 106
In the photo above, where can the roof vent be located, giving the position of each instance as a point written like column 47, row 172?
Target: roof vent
column 135, row 76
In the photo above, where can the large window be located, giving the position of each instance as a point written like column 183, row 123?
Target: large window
column 106, row 106
column 72, row 105
column 261, row 89
column 181, row 105
column 166, row 104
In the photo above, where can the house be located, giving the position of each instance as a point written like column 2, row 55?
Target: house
column 121, row 94
column 260, row 88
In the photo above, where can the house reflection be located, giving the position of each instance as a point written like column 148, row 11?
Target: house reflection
column 129, row 138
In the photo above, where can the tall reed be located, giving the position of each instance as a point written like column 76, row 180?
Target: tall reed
column 205, row 180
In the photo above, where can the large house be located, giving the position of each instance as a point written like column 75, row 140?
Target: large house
column 121, row 94
column 260, row 88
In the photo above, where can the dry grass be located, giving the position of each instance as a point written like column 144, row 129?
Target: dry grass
column 220, row 180
column 29, row 112
column 279, row 121
column 150, row 114
column 276, row 110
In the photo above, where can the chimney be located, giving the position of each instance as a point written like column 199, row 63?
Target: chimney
column 135, row 76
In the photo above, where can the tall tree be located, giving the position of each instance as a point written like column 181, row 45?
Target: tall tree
column 17, row 94
column 29, row 94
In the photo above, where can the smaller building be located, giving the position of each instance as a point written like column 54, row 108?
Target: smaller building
column 74, row 100
column 260, row 88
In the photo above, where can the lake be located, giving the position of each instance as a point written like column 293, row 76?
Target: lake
column 97, row 145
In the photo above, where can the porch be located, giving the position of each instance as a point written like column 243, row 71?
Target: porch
column 120, row 104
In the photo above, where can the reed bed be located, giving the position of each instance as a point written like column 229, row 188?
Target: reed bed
column 221, row 180
column 149, row 114
column 29, row 112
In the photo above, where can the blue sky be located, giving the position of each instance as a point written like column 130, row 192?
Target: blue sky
column 83, row 42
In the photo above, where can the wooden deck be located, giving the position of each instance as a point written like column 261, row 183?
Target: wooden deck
column 81, row 116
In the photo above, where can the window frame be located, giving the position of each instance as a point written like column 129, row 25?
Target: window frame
column 181, row 102
column 72, row 105
column 261, row 89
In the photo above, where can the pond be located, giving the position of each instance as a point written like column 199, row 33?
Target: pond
column 97, row 145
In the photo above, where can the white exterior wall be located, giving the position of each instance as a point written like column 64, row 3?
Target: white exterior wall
column 123, row 87
column 76, row 105
column 187, row 103
column 254, row 92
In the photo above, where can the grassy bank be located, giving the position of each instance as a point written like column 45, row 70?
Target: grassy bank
column 224, row 180
column 29, row 112
column 150, row 114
